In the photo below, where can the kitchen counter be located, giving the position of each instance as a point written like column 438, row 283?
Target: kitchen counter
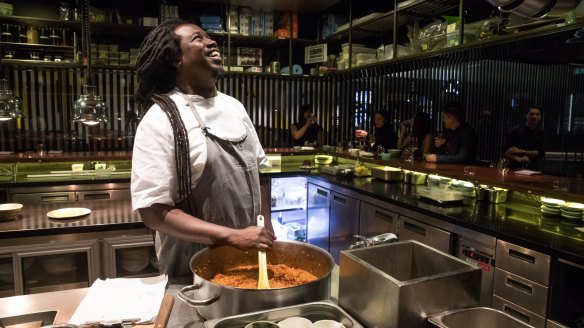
column 182, row 315
column 105, row 215
column 513, row 221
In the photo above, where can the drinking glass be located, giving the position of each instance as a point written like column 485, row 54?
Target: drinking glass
column 380, row 150
column 371, row 141
column 470, row 171
column 503, row 166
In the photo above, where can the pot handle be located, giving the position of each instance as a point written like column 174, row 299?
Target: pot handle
column 181, row 294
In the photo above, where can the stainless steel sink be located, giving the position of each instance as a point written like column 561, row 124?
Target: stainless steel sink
column 46, row 318
column 479, row 317
column 402, row 284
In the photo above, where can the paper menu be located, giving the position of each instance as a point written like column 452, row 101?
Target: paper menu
column 121, row 299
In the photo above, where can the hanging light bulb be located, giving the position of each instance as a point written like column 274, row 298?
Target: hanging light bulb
column 10, row 105
column 89, row 109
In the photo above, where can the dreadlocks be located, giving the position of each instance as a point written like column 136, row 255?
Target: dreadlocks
column 156, row 77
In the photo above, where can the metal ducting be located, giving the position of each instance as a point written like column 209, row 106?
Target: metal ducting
column 536, row 8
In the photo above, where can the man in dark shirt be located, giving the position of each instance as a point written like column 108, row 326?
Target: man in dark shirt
column 458, row 144
column 524, row 145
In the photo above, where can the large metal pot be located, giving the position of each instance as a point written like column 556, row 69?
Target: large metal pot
column 216, row 301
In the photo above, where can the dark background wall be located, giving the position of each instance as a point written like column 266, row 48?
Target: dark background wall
column 495, row 94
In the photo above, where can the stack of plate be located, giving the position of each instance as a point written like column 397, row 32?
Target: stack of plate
column 572, row 211
column 551, row 206
column 59, row 263
column 134, row 259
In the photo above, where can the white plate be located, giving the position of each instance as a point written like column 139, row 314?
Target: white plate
column 551, row 202
column 68, row 213
column 573, row 206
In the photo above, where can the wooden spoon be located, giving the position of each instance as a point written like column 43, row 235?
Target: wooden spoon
column 263, row 265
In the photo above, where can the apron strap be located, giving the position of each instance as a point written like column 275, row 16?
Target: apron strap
column 199, row 119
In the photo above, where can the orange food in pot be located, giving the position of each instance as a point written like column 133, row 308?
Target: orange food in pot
column 280, row 276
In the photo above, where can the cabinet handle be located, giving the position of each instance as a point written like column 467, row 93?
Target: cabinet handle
column 383, row 215
column 52, row 199
column 414, row 228
column 519, row 285
column 521, row 256
column 322, row 192
column 106, row 195
column 514, row 313
column 340, row 200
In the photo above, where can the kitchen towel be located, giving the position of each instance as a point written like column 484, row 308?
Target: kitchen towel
column 121, row 299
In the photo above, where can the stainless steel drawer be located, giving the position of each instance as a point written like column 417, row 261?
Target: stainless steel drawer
column 113, row 194
column 374, row 220
column 518, row 312
column 524, row 262
column 424, row 233
column 44, row 197
column 521, row 291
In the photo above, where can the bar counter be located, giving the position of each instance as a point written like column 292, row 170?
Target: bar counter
column 541, row 184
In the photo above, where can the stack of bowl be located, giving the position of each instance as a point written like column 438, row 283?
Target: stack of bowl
column 10, row 210
column 133, row 259
column 467, row 188
column 433, row 180
column 572, row 211
column 551, row 206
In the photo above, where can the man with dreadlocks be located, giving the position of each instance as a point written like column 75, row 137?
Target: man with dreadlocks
column 196, row 155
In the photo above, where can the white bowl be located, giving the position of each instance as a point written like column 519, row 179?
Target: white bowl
column 295, row 322
column 10, row 209
column 327, row 324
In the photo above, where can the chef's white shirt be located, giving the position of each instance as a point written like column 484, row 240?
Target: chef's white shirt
column 154, row 176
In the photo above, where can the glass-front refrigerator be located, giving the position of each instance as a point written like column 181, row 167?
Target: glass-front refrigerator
column 288, row 207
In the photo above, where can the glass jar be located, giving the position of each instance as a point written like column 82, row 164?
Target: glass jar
column 64, row 11
column 21, row 34
column 44, row 36
column 6, row 33
column 54, row 37
column 32, row 35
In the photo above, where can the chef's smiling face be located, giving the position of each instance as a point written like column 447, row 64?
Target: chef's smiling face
column 200, row 53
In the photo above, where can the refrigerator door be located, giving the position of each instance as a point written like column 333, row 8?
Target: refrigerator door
column 318, row 213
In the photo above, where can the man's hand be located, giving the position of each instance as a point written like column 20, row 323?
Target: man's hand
column 431, row 158
column 439, row 142
column 251, row 238
column 361, row 134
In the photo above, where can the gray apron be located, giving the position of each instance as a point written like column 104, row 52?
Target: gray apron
column 227, row 194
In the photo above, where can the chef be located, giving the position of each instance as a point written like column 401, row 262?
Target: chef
column 196, row 155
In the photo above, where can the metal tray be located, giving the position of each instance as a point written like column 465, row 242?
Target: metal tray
column 312, row 311
column 387, row 173
column 440, row 195
column 340, row 170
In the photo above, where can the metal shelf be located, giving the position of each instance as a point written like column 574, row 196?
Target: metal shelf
column 41, row 22
column 408, row 12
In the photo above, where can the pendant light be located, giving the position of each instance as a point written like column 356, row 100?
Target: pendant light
column 10, row 105
column 89, row 108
